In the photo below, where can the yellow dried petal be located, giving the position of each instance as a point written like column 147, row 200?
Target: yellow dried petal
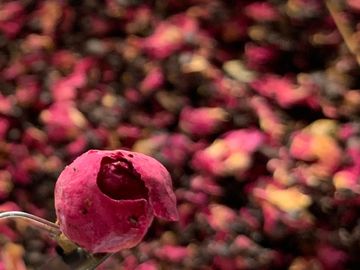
column 217, row 149
column 108, row 100
column 237, row 162
column 197, row 63
column 324, row 127
column 288, row 200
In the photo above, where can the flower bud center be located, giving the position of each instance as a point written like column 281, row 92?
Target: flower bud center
column 118, row 179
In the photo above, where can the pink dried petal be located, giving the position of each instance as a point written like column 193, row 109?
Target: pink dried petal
column 230, row 155
column 244, row 243
column 202, row 121
column 49, row 15
column 12, row 18
column 347, row 130
column 109, row 205
column 176, row 149
column 331, row 258
column 6, row 184
column 281, row 89
column 63, row 120
column 77, row 147
column 35, row 138
column 148, row 265
column 262, row 11
column 13, row 70
column 28, row 91
column 4, row 127
column 169, row 36
column 65, row 88
column 354, row 4
column 300, row 147
column 19, row 174
column 153, row 80
column 5, row 105
column 249, row 218
column 248, row 140
column 172, row 253
column 271, row 218
column 35, row 42
column 259, row 56
column 206, row 184
column 63, row 60
column 347, row 179
column 220, row 217
column 268, row 120
column 224, row 263
column 9, row 206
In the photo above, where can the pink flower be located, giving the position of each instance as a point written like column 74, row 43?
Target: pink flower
column 106, row 200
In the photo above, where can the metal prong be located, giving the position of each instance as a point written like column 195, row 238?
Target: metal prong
column 79, row 259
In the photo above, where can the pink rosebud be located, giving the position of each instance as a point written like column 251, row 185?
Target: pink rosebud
column 106, row 200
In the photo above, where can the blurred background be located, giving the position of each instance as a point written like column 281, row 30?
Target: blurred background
column 253, row 106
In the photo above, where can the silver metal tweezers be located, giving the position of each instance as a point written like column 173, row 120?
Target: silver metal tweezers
column 79, row 259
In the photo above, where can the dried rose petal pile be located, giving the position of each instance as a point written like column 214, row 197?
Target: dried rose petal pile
column 252, row 106
column 105, row 201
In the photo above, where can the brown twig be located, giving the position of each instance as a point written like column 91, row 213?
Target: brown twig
column 344, row 29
